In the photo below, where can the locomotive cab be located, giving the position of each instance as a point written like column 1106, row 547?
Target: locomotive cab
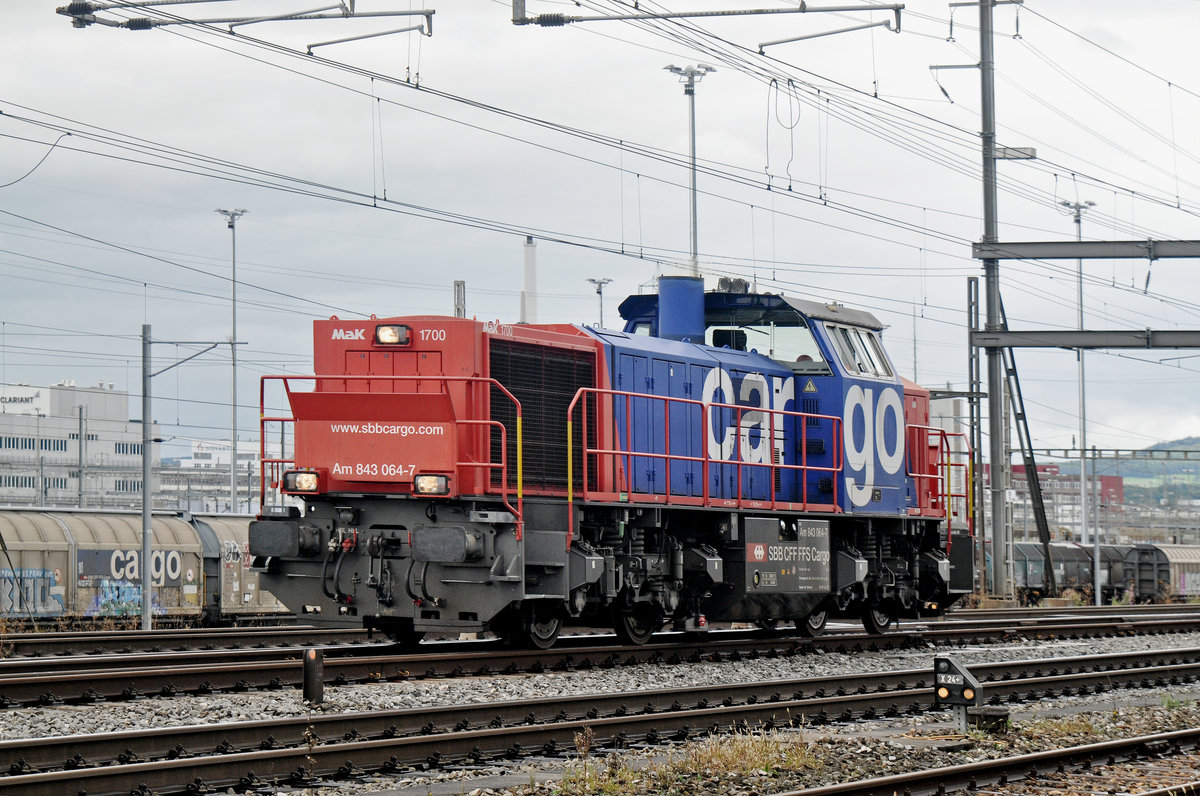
column 769, row 325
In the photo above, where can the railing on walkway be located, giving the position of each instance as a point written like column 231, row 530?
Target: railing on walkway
column 621, row 459
column 272, row 468
column 940, row 484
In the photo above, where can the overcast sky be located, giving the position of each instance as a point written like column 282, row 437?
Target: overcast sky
column 376, row 173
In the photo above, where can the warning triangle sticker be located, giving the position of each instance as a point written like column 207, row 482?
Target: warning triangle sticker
column 809, row 386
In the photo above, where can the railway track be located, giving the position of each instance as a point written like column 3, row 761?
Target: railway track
column 301, row 750
column 53, row 680
column 1144, row 609
column 126, row 642
column 1169, row 763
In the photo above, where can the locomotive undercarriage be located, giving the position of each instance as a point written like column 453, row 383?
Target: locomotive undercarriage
column 410, row 566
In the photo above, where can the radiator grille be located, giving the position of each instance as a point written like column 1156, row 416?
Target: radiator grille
column 811, row 406
column 545, row 381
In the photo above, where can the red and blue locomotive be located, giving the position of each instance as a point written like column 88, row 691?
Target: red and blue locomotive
column 727, row 457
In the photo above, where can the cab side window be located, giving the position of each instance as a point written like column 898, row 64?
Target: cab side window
column 860, row 351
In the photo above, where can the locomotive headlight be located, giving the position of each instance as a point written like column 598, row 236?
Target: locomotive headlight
column 301, row 481
column 392, row 335
column 426, row 484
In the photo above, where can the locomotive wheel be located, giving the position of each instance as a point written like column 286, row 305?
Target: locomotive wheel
column 813, row 624
column 876, row 620
column 636, row 625
column 540, row 625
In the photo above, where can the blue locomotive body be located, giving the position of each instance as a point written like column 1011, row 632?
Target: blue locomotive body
column 754, row 358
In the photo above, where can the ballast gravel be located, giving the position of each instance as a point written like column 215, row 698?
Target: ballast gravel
column 845, row 752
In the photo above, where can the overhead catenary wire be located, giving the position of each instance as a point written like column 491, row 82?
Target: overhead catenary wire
column 252, row 40
column 256, row 42
column 773, row 198
column 967, row 164
column 611, row 246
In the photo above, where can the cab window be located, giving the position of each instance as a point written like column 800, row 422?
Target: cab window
column 876, row 348
column 781, row 335
column 860, row 351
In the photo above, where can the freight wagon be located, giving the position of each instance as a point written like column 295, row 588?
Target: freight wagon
column 81, row 566
column 1143, row 573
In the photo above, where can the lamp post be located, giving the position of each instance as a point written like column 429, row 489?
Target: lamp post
column 600, row 283
column 1076, row 209
column 689, row 76
column 231, row 217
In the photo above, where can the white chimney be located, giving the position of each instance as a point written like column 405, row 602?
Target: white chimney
column 529, row 291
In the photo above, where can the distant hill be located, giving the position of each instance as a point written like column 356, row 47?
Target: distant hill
column 1145, row 468
column 1187, row 443
column 1151, row 482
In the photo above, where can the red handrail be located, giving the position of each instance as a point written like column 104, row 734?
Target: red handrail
column 945, row 468
column 628, row 454
column 444, row 380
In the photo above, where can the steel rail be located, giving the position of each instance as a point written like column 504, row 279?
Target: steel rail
column 1131, row 667
column 452, row 733
column 37, row 652
column 166, row 659
column 64, row 680
column 970, row 776
column 26, row 645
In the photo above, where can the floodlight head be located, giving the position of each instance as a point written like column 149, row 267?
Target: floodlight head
column 673, row 68
column 231, row 216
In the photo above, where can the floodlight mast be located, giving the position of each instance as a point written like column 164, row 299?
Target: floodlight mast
column 231, row 217
column 600, row 283
column 1076, row 209
column 689, row 76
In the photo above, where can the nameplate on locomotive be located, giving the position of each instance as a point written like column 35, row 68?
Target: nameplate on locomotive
column 787, row 555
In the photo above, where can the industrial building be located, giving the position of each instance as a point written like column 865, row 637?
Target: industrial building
column 68, row 445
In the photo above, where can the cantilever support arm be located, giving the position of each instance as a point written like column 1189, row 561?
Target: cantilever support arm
column 558, row 20
column 1073, row 338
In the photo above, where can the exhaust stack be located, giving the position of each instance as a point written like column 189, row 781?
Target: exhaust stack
column 681, row 308
column 529, row 290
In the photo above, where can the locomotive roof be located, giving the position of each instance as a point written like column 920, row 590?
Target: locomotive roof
column 833, row 312
column 644, row 306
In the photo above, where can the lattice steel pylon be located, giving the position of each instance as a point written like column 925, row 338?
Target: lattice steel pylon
column 1027, row 457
